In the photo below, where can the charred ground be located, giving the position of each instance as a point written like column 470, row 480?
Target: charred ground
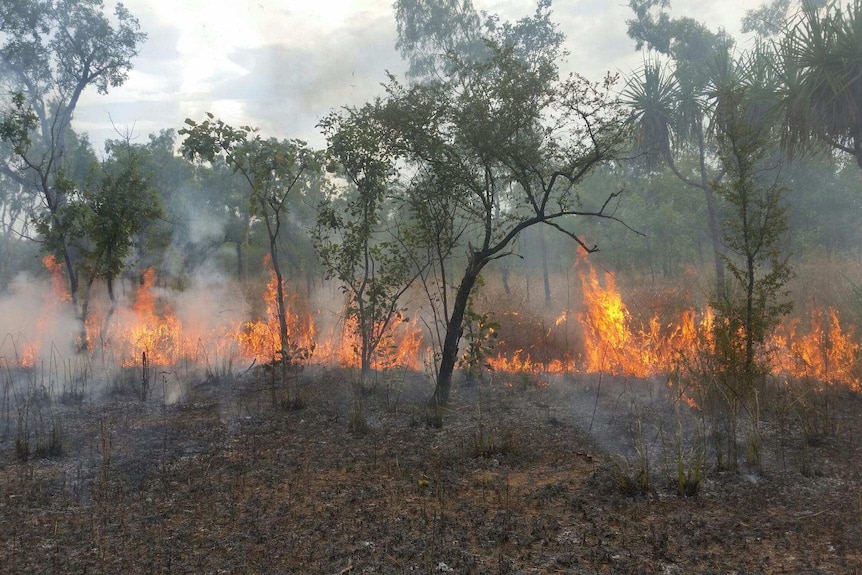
column 512, row 477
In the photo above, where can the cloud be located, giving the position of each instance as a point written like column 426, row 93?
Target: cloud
column 288, row 88
column 282, row 66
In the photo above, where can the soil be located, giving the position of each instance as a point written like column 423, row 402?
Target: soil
column 516, row 475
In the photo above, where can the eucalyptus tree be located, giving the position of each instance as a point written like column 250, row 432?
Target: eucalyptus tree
column 430, row 31
column 51, row 51
column 501, row 143
column 16, row 209
column 273, row 170
column 107, row 219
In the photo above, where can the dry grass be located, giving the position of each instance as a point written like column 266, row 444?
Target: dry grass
column 222, row 482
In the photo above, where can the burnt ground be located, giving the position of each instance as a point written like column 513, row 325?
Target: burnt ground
column 519, row 477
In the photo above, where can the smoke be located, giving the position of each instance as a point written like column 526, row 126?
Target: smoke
column 36, row 323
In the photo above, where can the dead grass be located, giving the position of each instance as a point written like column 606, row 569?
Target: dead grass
column 223, row 482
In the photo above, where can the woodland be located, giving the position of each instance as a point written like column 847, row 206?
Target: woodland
column 509, row 319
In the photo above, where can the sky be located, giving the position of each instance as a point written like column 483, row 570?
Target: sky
column 281, row 65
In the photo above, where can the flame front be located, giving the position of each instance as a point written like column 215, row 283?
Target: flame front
column 259, row 339
column 605, row 336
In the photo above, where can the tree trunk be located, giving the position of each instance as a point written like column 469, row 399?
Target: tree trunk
column 454, row 330
column 79, row 311
column 545, row 277
column 715, row 238
column 240, row 263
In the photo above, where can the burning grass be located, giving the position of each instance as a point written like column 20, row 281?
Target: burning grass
column 573, row 453
column 648, row 332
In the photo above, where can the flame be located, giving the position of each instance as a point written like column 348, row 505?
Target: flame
column 149, row 327
column 618, row 343
column 827, row 353
column 608, row 337
column 260, row 339
column 58, row 282
column 614, row 342
column 32, row 349
column 404, row 347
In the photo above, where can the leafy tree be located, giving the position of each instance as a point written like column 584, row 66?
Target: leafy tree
column 16, row 207
column 112, row 215
column 504, row 132
column 352, row 237
column 51, row 51
column 273, row 170
column 767, row 20
column 429, row 31
column 755, row 234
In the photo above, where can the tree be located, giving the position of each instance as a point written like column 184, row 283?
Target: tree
column 109, row 217
column 507, row 132
column 820, row 64
column 16, row 208
column 273, row 170
column 353, row 238
column 53, row 50
column 754, row 233
column 672, row 104
column 430, row 31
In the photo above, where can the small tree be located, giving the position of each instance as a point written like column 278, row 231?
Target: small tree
column 501, row 143
column 755, row 230
column 273, row 169
column 353, row 239
column 114, row 212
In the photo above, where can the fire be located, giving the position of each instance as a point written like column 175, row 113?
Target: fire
column 616, row 343
column 260, row 339
column 404, row 347
column 149, row 327
column 58, row 282
column 603, row 336
column 58, row 295
column 827, row 353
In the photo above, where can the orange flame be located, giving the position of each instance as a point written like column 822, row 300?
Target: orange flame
column 149, row 326
column 610, row 338
column 404, row 347
column 260, row 338
column 827, row 353
column 51, row 301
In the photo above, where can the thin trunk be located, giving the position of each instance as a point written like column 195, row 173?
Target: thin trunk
column 749, row 324
column 504, row 277
column 282, row 311
column 80, row 311
column 545, row 277
column 279, row 290
column 240, row 264
column 714, row 227
column 715, row 239
column 111, row 296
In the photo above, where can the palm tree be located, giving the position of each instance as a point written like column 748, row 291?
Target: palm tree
column 669, row 112
column 820, row 65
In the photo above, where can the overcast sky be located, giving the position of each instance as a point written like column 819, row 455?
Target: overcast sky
column 281, row 65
